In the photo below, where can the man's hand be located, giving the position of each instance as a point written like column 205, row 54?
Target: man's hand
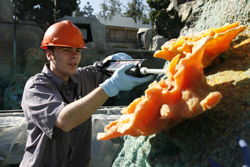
column 120, row 81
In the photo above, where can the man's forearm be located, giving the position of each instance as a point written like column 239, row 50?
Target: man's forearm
column 79, row 111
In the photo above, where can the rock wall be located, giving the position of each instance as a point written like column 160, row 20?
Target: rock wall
column 12, row 63
column 184, row 7
column 28, row 34
column 6, row 9
column 212, row 135
column 217, row 13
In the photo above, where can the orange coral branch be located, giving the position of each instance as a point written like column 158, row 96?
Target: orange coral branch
column 221, row 39
column 185, row 94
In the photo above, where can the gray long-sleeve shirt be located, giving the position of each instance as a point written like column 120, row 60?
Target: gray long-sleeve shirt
column 44, row 96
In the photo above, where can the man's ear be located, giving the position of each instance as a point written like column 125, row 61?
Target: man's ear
column 49, row 54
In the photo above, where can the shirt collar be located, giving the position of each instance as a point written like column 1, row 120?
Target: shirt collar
column 57, row 80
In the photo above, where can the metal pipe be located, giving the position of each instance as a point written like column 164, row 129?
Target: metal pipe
column 145, row 70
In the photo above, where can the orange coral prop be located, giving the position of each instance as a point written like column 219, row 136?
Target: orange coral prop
column 221, row 39
column 185, row 94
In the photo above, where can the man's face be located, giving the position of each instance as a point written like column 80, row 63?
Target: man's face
column 64, row 61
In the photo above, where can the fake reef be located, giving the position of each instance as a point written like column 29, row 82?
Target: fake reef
column 213, row 134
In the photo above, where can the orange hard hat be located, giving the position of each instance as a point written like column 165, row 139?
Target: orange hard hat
column 64, row 34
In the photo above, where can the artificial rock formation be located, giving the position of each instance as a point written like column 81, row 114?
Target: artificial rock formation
column 213, row 134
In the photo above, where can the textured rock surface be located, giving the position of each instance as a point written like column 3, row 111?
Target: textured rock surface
column 158, row 41
column 213, row 134
column 34, row 61
column 145, row 37
column 13, row 93
column 28, row 34
column 6, row 10
column 216, row 14
column 210, row 135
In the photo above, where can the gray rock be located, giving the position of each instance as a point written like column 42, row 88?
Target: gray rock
column 145, row 36
column 34, row 61
column 28, row 35
column 6, row 9
column 158, row 41
column 213, row 134
column 217, row 13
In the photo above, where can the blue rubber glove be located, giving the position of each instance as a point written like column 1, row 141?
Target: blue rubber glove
column 120, row 56
column 245, row 152
column 120, row 81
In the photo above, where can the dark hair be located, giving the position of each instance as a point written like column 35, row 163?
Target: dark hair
column 50, row 48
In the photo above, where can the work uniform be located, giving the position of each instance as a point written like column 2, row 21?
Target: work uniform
column 44, row 96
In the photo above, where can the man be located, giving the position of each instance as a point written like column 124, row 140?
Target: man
column 59, row 101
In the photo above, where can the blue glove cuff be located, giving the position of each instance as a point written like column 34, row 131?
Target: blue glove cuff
column 109, row 88
column 120, row 81
column 121, row 56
